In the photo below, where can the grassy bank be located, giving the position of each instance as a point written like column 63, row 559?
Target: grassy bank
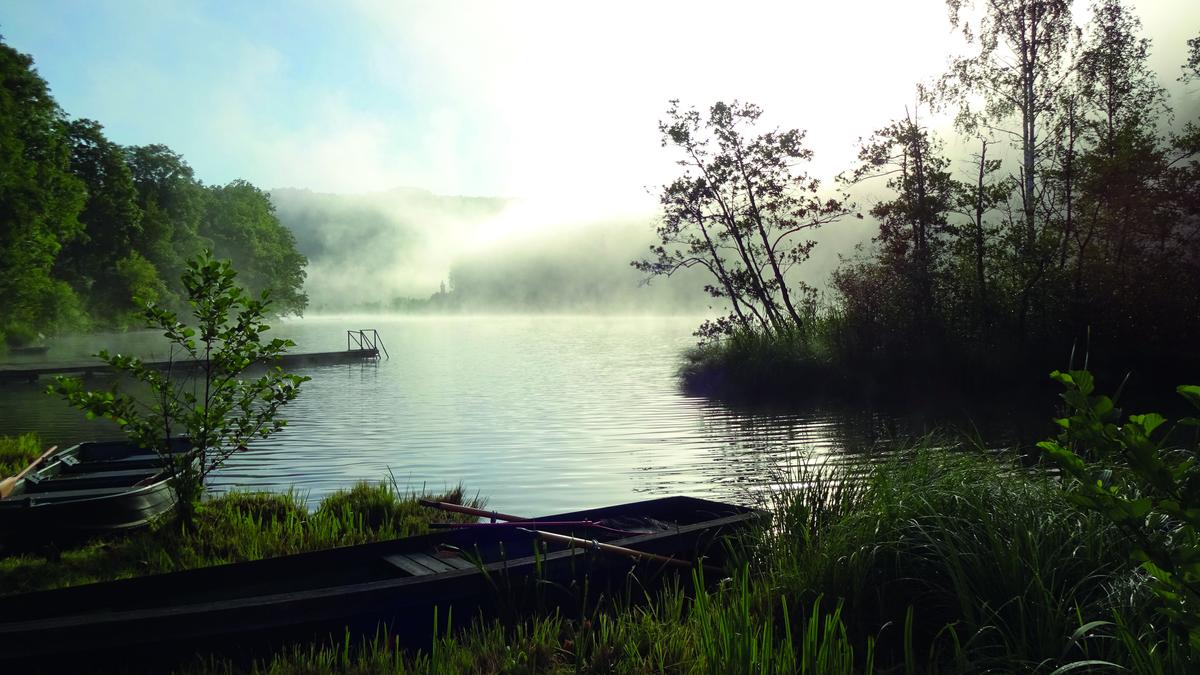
column 233, row 527
column 16, row 452
column 935, row 562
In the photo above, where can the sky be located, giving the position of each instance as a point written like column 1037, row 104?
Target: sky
column 549, row 102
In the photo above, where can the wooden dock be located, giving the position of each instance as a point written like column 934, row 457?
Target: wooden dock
column 361, row 345
column 30, row 372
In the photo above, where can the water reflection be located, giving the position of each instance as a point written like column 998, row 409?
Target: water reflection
column 538, row 414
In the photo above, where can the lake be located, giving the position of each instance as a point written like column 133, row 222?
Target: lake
column 537, row 414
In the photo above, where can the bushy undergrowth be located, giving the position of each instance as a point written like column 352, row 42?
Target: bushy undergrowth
column 16, row 452
column 825, row 358
column 233, row 527
column 754, row 364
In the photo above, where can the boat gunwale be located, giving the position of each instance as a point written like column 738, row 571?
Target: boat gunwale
column 281, row 600
column 25, row 502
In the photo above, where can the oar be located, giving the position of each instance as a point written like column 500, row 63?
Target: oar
column 470, row 511
column 7, row 485
column 550, row 536
column 592, row 544
column 534, row 523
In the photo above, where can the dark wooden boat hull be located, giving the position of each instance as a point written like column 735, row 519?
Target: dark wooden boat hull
column 36, row 350
column 244, row 608
column 89, row 488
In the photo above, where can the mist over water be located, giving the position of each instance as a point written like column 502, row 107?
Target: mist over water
column 536, row 413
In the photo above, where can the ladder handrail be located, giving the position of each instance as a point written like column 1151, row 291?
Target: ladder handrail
column 362, row 340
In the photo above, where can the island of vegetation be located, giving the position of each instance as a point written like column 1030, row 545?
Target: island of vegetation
column 1072, row 221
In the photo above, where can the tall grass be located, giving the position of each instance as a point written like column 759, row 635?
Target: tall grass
column 703, row 630
column 957, row 560
column 16, row 452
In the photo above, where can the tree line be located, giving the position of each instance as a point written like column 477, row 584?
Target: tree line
column 87, row 226
column 1075, row 218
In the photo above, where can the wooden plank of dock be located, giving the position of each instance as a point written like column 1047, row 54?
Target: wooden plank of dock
column 32, row 371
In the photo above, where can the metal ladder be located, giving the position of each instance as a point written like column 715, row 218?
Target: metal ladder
column 366, row 339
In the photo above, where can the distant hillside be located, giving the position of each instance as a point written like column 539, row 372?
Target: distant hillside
column 376, row 250
column 583, row 269
column 371, row 247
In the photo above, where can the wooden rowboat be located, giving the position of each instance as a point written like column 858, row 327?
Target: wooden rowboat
column 402, row 584
column 88, row 488
column 29, row 350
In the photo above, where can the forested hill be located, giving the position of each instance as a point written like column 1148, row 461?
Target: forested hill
column 87, row 225
column 412, row 250
column 369, row 248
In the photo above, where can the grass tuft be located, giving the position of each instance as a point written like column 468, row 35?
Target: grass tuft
column 16, row 452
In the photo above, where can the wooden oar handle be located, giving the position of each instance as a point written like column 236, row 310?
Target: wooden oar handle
column 9, row 484
column 591, row 524
column 35, row 462
column 468, row 510
column 594, row 545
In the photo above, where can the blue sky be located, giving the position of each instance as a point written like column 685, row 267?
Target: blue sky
column 223, row 82
column 551, row 100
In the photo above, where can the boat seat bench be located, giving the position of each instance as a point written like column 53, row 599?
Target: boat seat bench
column 132, row 461
column 94, row 479
column 60, row 495
column 420, row 564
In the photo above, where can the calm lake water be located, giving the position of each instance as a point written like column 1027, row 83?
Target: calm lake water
column 537, row 414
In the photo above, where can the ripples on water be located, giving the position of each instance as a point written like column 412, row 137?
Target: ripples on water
column 537, row 414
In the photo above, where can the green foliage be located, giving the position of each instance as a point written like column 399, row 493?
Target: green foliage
column 16, row 452
column 111, row 223
column 700, row 631
column 40, row 201
column 219, row 410
column 87, row 225
column 232, row 527
column 240, row 221
column 934, row 561
column 740, row 211
column 997, row 569
column 1142, row 475
column 377, row 506
column 1084, row 227
column 749, row 363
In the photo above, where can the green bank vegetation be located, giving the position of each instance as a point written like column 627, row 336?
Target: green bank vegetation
column 1071, row 217
column 232, row 527
column 16, row 453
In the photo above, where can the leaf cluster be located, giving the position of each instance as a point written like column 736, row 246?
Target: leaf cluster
column 1142, row 474
column 204, row 391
